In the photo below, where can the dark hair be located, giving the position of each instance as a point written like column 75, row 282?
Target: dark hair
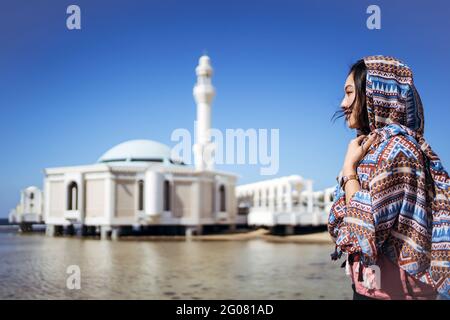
column 359, row 71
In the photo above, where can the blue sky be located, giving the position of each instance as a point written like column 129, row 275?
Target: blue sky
column 68, row 96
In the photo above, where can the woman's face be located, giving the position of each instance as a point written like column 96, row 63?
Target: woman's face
column 350, row 110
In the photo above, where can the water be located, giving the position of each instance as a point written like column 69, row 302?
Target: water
column 34, row 267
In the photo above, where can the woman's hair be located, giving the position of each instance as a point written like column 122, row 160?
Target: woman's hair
column 359, row 71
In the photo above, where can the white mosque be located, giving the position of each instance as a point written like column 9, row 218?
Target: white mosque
column 138, row 185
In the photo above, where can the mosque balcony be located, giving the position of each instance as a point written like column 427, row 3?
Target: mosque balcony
column 72, row 215
column 145, row 218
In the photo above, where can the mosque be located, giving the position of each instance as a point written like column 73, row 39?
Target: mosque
column 138, row 185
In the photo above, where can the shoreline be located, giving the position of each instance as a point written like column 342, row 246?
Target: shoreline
column 259, row 234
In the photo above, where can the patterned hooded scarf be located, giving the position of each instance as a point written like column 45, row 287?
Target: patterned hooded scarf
column 403, row 207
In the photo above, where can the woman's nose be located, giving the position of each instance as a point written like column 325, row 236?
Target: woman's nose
column 346, row 109
column 344, row 105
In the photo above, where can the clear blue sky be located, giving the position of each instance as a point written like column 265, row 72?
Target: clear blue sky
column 68, row 96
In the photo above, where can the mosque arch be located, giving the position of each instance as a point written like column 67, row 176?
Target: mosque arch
column 167, row 195
column 72, row 196
column 222, row 197
column 140, row 195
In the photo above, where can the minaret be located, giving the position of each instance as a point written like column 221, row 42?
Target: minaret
column 203, row 93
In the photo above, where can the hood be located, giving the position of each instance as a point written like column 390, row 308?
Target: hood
column 393, row 103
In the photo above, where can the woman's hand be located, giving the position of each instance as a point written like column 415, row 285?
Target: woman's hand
column 355, row 152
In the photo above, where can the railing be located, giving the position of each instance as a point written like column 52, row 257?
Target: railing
column 298, row 215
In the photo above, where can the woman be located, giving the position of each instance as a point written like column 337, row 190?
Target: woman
column 391, row 210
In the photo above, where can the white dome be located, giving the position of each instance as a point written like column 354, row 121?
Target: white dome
column 137, row 150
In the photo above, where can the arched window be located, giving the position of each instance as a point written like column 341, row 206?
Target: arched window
column 31, row 196
column 140, row 195
column 166, row 195
column 222, row 196
column 72, row 196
